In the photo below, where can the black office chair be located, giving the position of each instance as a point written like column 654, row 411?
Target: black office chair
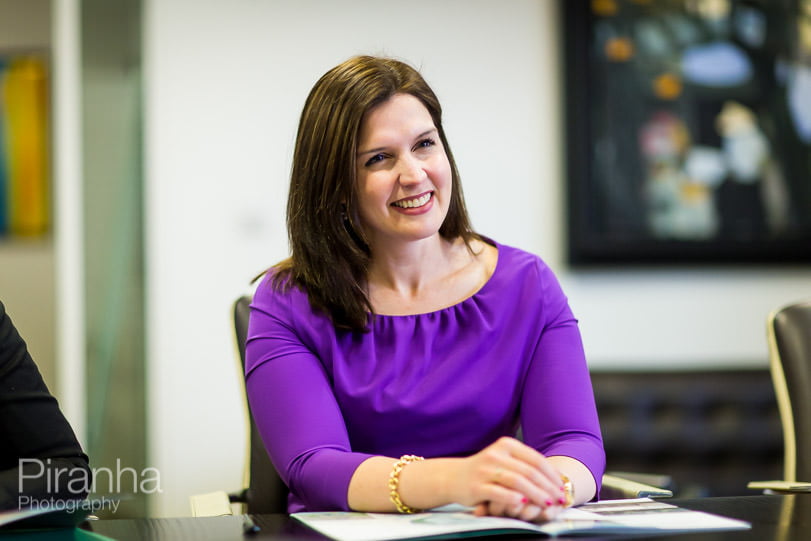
column 264, row 491
column 267, row 493
column 789, row 334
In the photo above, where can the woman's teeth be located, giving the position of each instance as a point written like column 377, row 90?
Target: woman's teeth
column 413, row 203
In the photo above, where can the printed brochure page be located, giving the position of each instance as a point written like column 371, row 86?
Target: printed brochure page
column 611, row 516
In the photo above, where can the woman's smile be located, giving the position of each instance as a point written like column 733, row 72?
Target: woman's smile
column 415, row 205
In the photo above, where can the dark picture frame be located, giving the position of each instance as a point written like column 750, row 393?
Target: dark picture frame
column 688, row 131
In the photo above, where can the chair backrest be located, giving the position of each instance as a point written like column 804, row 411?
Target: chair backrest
column 266, row 492
column 789, row 333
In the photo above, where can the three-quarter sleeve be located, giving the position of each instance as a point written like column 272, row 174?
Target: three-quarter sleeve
column 558, row 412
column 294, row 408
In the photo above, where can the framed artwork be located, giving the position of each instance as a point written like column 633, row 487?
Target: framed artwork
column 25, row 203
column 688, row 131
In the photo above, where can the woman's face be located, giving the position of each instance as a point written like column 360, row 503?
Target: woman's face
column 403, row 173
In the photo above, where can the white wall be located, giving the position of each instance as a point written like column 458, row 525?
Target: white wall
column 225, row 82
column 27, row 264
column 27, row 291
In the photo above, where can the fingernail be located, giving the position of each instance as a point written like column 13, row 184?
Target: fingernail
column 563, row 489
column 561, row 501
column 524, row 500
column 548, row 503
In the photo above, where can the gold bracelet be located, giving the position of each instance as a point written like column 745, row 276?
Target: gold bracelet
column 394, row 483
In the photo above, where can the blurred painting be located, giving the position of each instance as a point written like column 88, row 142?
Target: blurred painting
column 688, row 131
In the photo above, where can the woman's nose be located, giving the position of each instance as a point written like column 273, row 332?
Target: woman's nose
column 411, row 170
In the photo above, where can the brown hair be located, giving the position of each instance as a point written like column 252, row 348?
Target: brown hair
column 329, row 256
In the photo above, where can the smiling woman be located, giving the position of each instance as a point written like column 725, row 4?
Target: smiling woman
column 395, row 330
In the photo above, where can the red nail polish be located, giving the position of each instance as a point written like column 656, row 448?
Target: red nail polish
column 561, row 501
column 524, row 500
column 548, row 503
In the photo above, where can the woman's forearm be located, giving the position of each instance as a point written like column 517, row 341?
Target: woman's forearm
column 440, row 481
column 423, row 484
column 505, row 475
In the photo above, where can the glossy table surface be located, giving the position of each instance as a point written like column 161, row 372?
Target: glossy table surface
column 782, row 518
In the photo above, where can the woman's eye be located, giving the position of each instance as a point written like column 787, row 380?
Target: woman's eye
column 425, row 143
column 375, row 159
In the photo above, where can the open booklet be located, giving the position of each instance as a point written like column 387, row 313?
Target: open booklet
column 638, row 516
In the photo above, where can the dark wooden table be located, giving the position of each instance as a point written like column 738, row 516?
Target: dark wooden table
column 780, row 518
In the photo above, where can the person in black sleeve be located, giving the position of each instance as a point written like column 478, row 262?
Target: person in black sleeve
column 41, row 461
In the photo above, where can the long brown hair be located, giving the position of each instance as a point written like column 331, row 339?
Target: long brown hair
column 329, row 255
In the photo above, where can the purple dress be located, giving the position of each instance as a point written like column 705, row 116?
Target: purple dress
column 441, row 384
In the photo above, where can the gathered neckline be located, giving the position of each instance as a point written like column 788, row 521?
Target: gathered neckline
column 471, row 298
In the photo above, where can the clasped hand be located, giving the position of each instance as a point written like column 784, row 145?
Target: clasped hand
column 509, row 478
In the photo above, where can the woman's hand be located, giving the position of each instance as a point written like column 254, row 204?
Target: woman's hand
column 508, row 478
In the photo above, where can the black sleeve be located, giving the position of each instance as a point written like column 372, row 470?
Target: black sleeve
column 38, row 447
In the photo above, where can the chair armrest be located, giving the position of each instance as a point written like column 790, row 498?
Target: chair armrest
column 619, row 486
column 212, row 504
column 780, row 487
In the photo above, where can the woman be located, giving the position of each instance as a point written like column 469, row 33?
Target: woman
column 394, row 332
